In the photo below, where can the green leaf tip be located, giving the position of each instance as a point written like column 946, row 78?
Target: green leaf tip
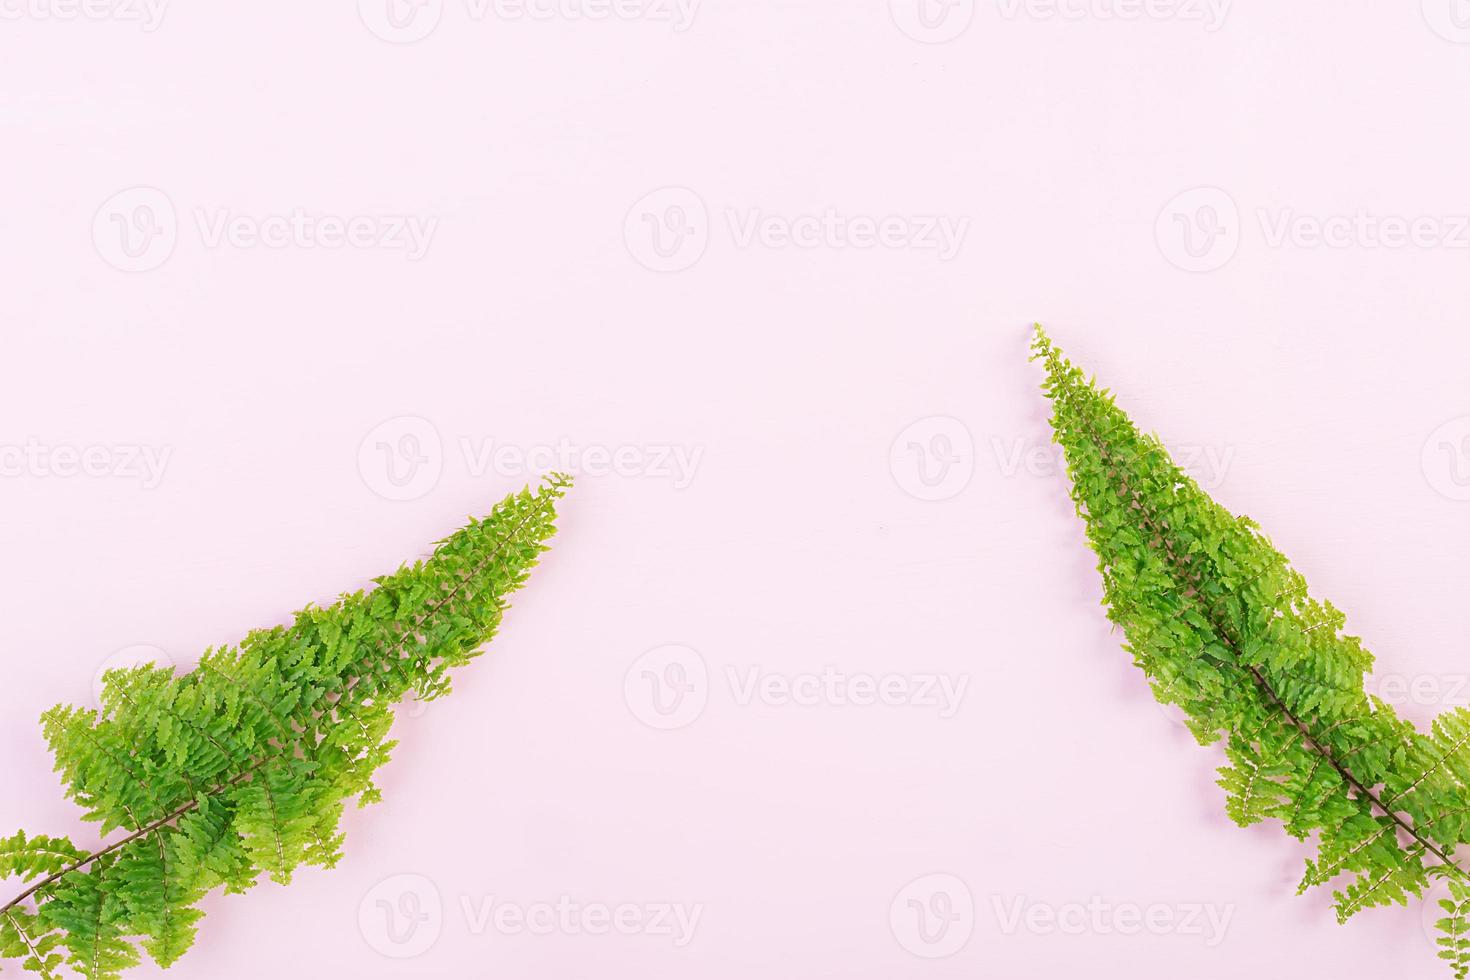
column 1224, row 627
column 240, row 768
column 1041, row 344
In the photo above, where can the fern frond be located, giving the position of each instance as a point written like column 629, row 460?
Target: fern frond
column 23, row 937
column 92, row 915
column 242, row 767
column 30, row 857
column 1455, row 924
column 1225, row 628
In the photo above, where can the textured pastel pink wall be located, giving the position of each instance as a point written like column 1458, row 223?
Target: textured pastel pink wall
column 817, row 663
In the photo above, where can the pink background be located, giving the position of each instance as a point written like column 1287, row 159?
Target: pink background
column 1330, row 380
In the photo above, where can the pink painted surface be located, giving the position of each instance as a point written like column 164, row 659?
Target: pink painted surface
column 815, row 682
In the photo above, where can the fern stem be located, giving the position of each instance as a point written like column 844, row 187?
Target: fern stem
column 1352, row 780
column 82, row 862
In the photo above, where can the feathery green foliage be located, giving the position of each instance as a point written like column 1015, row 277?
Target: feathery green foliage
column 243, row 766
column 1223, row 627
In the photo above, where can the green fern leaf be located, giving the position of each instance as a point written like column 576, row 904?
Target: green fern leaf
column 241, row 768
column 23, row 937
column 28, row 858
column 1224, row 627
column 90, row 910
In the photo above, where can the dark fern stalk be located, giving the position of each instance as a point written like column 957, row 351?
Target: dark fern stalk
column 243, row 766
column 1223, row 627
